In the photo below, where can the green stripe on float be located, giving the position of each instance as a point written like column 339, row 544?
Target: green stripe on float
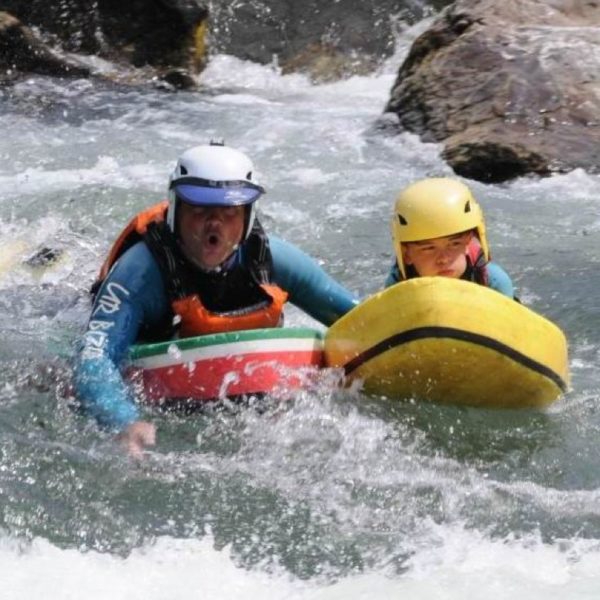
column 233, row 350
column 140, row 351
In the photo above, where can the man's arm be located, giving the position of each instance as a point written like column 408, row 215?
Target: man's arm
column 308, row 285
column 132, row 295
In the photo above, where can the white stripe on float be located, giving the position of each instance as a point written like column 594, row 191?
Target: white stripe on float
column 233, row 349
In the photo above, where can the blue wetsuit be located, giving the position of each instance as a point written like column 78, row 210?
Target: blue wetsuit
column 498, row 279
column 133, row 297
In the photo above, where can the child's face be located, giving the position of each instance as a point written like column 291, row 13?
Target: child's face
column 444, row 256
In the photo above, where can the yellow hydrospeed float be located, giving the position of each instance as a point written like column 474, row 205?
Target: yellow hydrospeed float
column 450, row 341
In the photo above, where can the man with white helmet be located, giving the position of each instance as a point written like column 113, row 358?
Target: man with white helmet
column 196, row 264
column 439, row 230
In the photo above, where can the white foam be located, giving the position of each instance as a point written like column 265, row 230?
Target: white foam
column 459, row 564
column 105, row 171
column 224, row 71
column 170, row 568
column 240, row 99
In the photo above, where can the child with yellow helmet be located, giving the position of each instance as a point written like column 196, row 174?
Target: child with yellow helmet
column 439, row 230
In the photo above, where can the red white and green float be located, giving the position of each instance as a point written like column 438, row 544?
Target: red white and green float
column 225, row 365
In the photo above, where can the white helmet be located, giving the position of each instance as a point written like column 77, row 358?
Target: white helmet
column 214, row 175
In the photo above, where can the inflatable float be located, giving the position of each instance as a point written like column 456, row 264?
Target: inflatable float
column 450, row 341
column 226, row 365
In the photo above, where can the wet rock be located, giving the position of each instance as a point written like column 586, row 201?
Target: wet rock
column 163, row 34
column 509, row 88
column 327, row 40
column 176, row 79
column 22, row 50
column 324, row 62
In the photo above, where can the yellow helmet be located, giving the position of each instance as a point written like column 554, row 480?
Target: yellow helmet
column 433, row 208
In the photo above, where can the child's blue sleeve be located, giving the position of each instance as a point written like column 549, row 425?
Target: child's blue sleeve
column 499, row 280
column 393, row 276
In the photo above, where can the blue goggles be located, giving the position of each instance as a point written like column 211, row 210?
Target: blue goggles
column 204, row 192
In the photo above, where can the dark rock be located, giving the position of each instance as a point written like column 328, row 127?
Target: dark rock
column 75, row 22
column 156, row 32
column 161, row 33
column 328, row 40
column 323, row 38
column 324, row 62
column 22, row 50
column 509, row 88
column 178, row 79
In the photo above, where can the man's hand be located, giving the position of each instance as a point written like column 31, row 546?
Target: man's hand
column 136, row 437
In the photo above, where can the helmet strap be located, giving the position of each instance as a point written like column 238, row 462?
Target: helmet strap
column 249, row 218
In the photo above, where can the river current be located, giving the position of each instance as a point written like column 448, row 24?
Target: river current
column 332, row 494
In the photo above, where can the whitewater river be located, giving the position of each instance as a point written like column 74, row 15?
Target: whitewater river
column 334, row 494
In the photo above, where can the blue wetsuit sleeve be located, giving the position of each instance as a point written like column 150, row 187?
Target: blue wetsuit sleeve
column 307, row 284
column 393, row 276
column 132, row 295
column 499, row 280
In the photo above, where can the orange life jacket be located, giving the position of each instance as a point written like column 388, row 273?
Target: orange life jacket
column 192, row 316
column 131, row 234
column 197, row 320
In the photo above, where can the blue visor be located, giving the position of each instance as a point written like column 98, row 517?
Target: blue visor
column 201, row 192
